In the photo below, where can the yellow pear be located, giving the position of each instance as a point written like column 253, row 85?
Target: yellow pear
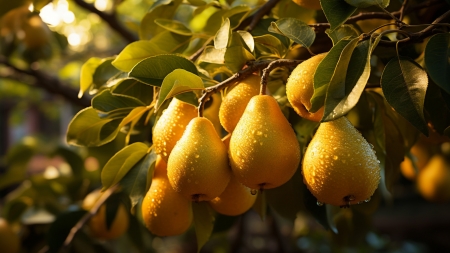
column 212, row 112
column 97, row 223
column 171, row 125
column 300, row 88
column 234, row 103
column 236, row 199
column 165, row 212
column 198, row 166
column 264, row 151
column 421, row 154
column 309, row 4
column 9, row 240
column 433, row 181
column 339, row 166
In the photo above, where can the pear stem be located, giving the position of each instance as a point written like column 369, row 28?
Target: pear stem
column 274, row 64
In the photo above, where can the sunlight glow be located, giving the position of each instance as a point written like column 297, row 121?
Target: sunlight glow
column 74, row 39
column 102, row 5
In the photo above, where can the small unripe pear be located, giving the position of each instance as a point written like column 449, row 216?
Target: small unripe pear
column 234, row 103
column 339, row 166
column 198, row 166
column 433, row 181
column 264, row 151
column 165, row 212
column 300, row 88
column 171, row 125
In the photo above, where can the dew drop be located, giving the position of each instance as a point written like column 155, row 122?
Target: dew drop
column 335, row 157
column 253, row 191
column 378, row 161
column 197, row 156
column 367, row 200
column 165, row 153
column 261, row 143
column 259, row 133
column 319, row 203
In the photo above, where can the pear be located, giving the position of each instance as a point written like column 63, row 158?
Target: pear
column 171, row 125
column 264, row 151
column 234, row 103
column 165, row 212
column 339, row 166
column 198, row 166
column 433, row 182
column 212, row 112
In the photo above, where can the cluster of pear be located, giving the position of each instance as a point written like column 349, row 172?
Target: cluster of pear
column 260, row 152
column 429, row 167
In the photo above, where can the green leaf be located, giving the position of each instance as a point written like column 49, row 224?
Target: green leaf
column 404, row 85
column 342, row 32
column 437, row 53
column 368, row 3
column 72, row 158
column 166, row 10
column 87, row 74
column 324, row 74
column 316, row 209
column 133, row 88
column 104, row 72
column 236, row 57
column 17, row 159
column 295, row 30
column 213, row 55
column 60, row 229
column 263, row 26
column 134, row 53
column 336, row 12
column 271, row 44
column 154, row 69
column 174, row 26
column 346, row 89
column 289, row 9
column 119, row 165
column 135, row 181
column 105, row 102
column 171, row 43
column 223, row 35
column 237, row 14
column 203, row 222
column 177, row 82
column 248, row 39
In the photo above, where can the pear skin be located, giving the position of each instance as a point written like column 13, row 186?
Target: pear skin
column 198, row 166
column 165, row 212
column 264, row 151
column 234, row 103
column 433, row 182
column 339, row 166
column 171, row 125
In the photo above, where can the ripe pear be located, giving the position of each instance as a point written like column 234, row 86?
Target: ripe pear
column 97, row 223
column 421, row 154
column 309, row 4
column 165, row 212
column 234, row 103
column 171, row 125
column 9, row 240
column 300, row 88
column 433, row 181
column 339, row 166
column 264, row 151
column 198, row 166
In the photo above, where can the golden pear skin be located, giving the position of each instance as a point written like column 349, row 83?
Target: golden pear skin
column 171, row 125
column 339, row 166
column 300, row 88
column 264, row 151
column 433, row 182
column 165, row 212
column 198, row 166
column 234, row 103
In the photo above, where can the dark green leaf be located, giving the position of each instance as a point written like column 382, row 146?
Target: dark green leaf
column 337, row 12
column 295, row 30
column 133, row 88
column 289, row 9
column 263, row 26
column 119, row 165
column 342, row 32
column 324, row 74
column 171, row 43
column 104, row 72
column 105, row 102
column 437, row 53
column 345, row 90
column 272, row 44
column 438, row 111
column 404, row 85
column 135, row 181
column 368, row 3
column 177, row 82
column 154, row 69
column 174, row 26
column 60, row 229
column 111, row 205
column 165, row 10
column 203, row 222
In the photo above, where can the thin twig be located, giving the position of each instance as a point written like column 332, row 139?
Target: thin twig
column 274, row 64
column 402, row 9
column 110, row 19
column 199, row 52
column 89, row 215
column 260, row 13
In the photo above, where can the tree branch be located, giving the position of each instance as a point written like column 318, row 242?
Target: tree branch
column 272, row 66
column 49, row 83
column 110, row 19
